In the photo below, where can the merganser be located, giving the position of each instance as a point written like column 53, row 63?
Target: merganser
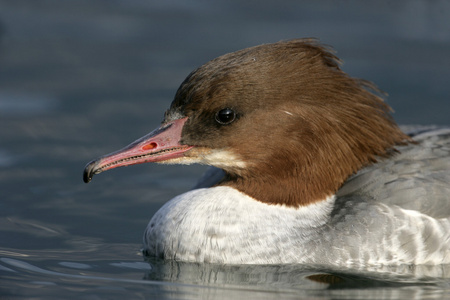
column 315, row 170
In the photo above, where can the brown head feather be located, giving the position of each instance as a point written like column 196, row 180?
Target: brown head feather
column 303, row 126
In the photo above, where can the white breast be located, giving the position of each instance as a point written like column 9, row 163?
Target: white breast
column 222, row 225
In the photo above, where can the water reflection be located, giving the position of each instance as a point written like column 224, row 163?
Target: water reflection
column 298, row 276
column 169, row 280
column 388, row 282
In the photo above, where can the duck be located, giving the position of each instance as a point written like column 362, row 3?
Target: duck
column 307, row 163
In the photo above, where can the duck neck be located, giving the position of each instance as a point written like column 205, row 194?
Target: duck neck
column 292, row 188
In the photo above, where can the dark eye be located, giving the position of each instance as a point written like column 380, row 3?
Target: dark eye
column 225, row 116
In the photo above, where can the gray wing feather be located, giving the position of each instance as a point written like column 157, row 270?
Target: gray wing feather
column 416, row 178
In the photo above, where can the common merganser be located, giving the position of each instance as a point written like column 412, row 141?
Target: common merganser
column 315, row 170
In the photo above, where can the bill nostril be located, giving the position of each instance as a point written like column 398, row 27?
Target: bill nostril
column 150, row 146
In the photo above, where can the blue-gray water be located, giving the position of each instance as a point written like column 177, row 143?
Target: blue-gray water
column 79, row 79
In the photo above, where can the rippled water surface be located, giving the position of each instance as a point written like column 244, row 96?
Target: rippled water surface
column 79, row 79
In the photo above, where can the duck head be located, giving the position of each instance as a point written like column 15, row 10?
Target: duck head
column 283, row 121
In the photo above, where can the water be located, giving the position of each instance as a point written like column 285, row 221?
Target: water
column 79, row 79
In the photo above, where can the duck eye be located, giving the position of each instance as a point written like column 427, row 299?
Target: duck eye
column 225, row 116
